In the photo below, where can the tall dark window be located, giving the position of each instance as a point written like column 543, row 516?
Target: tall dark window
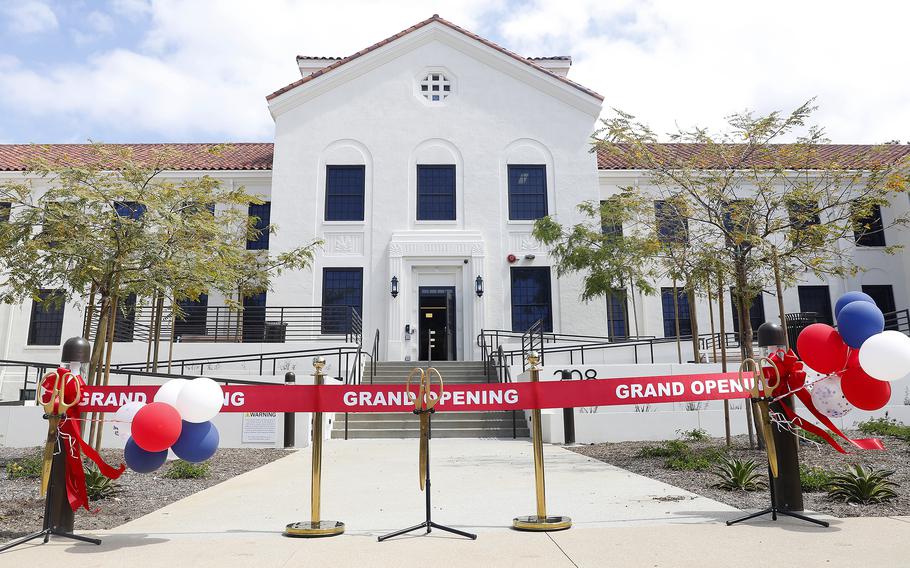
column 344, row 193
column 125, row 324
column 609, row 225
column 883, row 294
column 342, row 291
column 193, row 320
column 531, row 298
column 5, row 208
column 130, row 209
column 685, row 321
column 816, row 299
column 262, row 214
column 435, row 193
column 617, row 312
column 527, row 192
column 671, row 226
column 803, row 214
column 869, row 231
column 254, row 318
column 46, row 324
column 756, row 310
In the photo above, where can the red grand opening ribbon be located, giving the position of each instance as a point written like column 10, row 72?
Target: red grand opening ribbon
column 792, row 380
column 73, row 444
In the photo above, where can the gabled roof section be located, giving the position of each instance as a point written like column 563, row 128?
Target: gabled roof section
column 211, row 157
column 415, row 27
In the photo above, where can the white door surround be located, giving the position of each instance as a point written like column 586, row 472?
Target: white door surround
column 434, row 258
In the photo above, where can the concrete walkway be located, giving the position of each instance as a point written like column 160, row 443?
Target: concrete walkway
column 621, row 519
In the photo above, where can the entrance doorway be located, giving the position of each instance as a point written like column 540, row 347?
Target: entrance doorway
column 437, row 314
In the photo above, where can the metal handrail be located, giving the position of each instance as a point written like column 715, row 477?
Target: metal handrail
column 374, row 355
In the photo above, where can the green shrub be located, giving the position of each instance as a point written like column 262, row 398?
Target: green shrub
column 694, row 435
column 185, row 470
column 681, row 456
column 97, row 485
column 885, row 427
column 736, row 474
column 28, row 467
column 859, row 485
column 814, row 479
column 672, row 448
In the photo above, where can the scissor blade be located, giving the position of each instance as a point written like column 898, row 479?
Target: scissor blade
column 424, row 446
column 768, row 436
column 48, row 454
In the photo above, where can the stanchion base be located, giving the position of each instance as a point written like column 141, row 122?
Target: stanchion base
column 535, row 523
column 309, row 529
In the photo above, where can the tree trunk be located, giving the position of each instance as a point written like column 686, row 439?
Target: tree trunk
column 170, row 343
column 711, row 318
column 745, row 344
column 693, row 321
column 634, row 307
column 676, row 321
column 159, row 312
column 723, row 350
column 89, row 312
column 112, row 322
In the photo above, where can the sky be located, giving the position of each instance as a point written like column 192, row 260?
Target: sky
column 199, row 71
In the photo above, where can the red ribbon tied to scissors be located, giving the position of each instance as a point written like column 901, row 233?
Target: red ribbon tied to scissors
column 792, row 380
column 72, row 444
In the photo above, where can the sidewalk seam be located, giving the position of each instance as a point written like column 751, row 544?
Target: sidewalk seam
column 569, row 558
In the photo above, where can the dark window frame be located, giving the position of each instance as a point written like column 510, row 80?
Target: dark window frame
column 608, row 227
column 338, row 198
column 521, row 204
column 45, row 326
column 520, row 322
column 337, row 317
column 125, row 324
column 875, row 235
column 195, row 320
column 670, row 229
column 669, row 314
column 6, row 208
column 756, row 311
column 618, row 313
column 826, row 314
column 430, row 197
column 263, row 214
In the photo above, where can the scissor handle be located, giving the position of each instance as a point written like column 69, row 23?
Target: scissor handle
column 768, row 384
column 407, row 386
column 761, row 386
column 57, row 402
column 431, row 402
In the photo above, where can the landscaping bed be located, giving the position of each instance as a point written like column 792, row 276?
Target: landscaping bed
column 688, row 463
column 135, row 494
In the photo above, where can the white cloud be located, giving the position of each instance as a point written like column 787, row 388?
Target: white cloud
column 204, row 68
column 100, row 22
column 29, row 17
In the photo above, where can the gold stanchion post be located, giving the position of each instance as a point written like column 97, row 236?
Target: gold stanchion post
column 541, row 521
column 316, row 527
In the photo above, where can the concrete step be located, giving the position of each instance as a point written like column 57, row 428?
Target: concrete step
column 338, row 433
column 438, row 418
column 412, row 423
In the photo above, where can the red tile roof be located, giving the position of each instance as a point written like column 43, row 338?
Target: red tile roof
column 855, row 156
column 239, row 156
column 433, row 18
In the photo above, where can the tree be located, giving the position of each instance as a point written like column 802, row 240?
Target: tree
column 109, row 225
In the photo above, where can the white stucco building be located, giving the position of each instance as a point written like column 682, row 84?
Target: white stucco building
column 422, row 161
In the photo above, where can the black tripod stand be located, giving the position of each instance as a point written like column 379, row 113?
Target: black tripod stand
column 428, row 524
column 55, row 506
column 775, row 511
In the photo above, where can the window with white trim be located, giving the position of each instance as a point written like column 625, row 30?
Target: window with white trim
column 435, row 87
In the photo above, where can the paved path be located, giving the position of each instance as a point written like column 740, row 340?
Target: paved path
column 621, row 519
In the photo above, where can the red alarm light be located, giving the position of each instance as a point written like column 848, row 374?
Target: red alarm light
column 511, row 258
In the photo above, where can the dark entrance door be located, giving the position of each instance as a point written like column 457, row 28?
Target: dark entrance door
column 437, row 314
column 883, row 294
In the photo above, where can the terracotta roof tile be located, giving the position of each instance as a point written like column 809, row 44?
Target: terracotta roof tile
column 856, row 156
column 433, row 18
column 233, row 156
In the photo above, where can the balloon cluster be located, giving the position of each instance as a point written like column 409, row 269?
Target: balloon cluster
column 859, row 357
column 179, row 419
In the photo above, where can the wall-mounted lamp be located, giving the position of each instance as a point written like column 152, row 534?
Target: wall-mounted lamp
column 394, row 286
column 478, row 286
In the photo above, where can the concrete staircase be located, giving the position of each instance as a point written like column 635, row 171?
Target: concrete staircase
column 445, row 424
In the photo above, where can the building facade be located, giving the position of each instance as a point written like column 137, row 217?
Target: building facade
column 422, row 162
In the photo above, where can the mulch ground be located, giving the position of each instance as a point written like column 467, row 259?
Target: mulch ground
column 896, row 457
column 138, row 494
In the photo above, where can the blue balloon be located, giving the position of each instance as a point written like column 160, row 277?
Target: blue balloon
column 142, row 461
column 850, row 297
column 197, row 442
column 858, row 321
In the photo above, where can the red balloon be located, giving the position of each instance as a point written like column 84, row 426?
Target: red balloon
column 853, row 359
column 156, row 427
column 864, row 392
column 822, row 349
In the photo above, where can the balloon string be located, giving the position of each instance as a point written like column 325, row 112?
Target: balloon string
column 796, row 390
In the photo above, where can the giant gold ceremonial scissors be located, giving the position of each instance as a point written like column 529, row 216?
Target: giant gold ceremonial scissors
column 55, row 408
column 761, row 390
column 424, row 404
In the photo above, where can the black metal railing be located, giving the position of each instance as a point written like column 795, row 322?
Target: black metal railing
column 253, row 324
column 374, row 356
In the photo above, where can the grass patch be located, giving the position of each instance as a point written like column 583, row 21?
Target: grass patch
column 885, row 427
column 694, row 435
column 28, row 467
column 683, row 457
column 185, row 470
column 814, row 479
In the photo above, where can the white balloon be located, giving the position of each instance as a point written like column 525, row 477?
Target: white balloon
column 829, row 399
column 123, row 418
column 886, row 356
column 200, row 400
column 170, row 390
